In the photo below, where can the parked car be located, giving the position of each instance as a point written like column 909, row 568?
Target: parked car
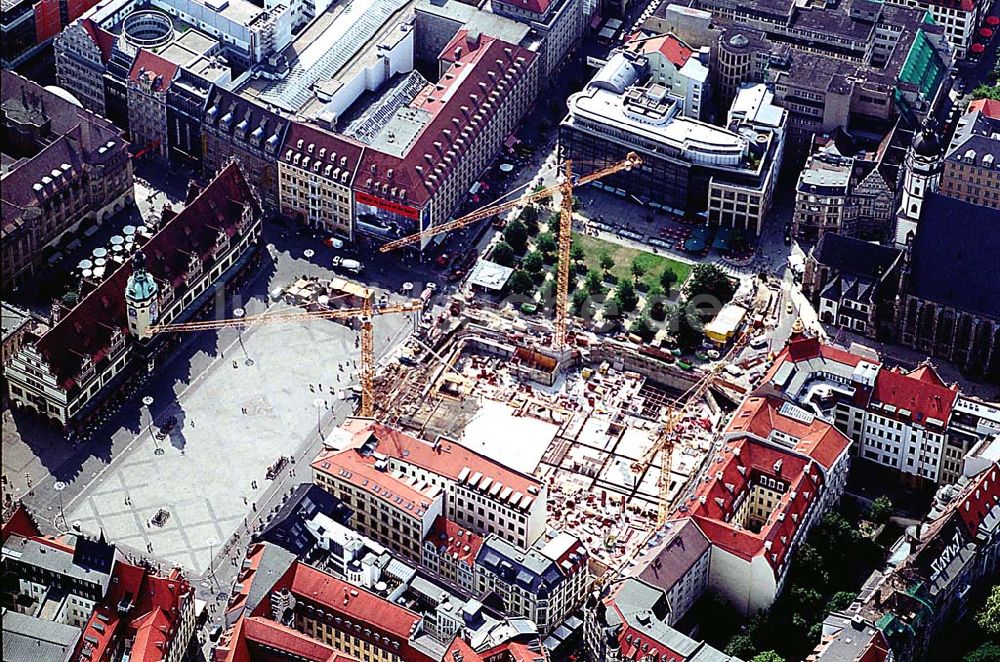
column 333, row 242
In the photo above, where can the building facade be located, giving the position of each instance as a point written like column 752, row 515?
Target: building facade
column 909, row 422
column 629, row 622
column 545, row 583
column 67, row 167
column 688, row 167
column 68, row 372
column 853, row 284
column 560, row 22
column 935, row 567
column 148, row 83
column 315, row 174
column 971, row 168
column 236, row 128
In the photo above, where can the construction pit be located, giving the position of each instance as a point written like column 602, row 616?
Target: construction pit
column 580, row 421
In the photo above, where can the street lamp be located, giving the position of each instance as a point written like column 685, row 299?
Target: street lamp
column 148, row 402
column 240, row 313
column 59, row 487
column 212, row 542
column 319, row 403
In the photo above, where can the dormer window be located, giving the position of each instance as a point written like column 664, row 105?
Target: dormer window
column 194, row 269
column 117, row 340
column 86, row 369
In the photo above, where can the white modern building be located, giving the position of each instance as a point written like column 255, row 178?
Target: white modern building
column 680, row 68
column 726, row 175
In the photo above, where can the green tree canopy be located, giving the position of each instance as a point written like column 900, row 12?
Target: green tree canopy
column 667, row 278
column 520, row 282
column 546, row 243
column 606, row 262
column 988, row 652
column 594, row 282
column 533, row 262
column 710, row 279
column 576, row 253
column 740, row 646
column 517, row 236
column 626, row 297
column 987, row 92
column 988, row 618
column 881, row 510
column 638, row 270
column 767, row 656
column 503, row 254
column 840, row 601
column 642, row 328
column 580, row 299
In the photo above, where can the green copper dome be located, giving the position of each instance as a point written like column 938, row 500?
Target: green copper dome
column 141, row 286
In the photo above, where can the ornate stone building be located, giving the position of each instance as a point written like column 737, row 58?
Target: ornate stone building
column 949, row 304
column 146, row 95
column 69, row 372
column 63, row 166
column 949, row 301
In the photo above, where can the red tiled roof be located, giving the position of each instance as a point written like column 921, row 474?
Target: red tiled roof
column 21, row 523
column 460, row 543
column 153, row 67
column 668, row 45
column 927, row 373
column 729, row 476
column 877, row 650
column 982, row 496
column 338, row 151
column 922, row 398
column 87, row 330
column 444, row 458
column 101, row 629
column 238, row 597
column 349, row 465
column 460, row 650
column 103, row 39
column 153, row 632
column 412, row 179
column 289, row 642
column 988, row 107
column 151, row 621
column 803, row 349
column 534, row 6
column 390, row 621
column 818, row 439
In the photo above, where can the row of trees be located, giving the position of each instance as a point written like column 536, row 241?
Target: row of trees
column 826, row 572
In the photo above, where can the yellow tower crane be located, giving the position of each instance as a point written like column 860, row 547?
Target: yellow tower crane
column 664, row 445
column 565, row 187
column 366, row 313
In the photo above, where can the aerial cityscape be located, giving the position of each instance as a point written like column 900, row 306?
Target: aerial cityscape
column 500, row 330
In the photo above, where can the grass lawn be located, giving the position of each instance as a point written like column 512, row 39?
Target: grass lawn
column 623, row 256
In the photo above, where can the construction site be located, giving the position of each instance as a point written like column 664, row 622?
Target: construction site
column 590, row 423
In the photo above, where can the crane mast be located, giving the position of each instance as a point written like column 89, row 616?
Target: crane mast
column 366, row 313
column 565, row 188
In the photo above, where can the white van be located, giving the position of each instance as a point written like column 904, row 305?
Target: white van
column 351, row 265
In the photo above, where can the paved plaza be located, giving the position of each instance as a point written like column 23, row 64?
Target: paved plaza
column 203, row 476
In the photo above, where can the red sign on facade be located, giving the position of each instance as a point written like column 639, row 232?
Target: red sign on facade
column 387, row 205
